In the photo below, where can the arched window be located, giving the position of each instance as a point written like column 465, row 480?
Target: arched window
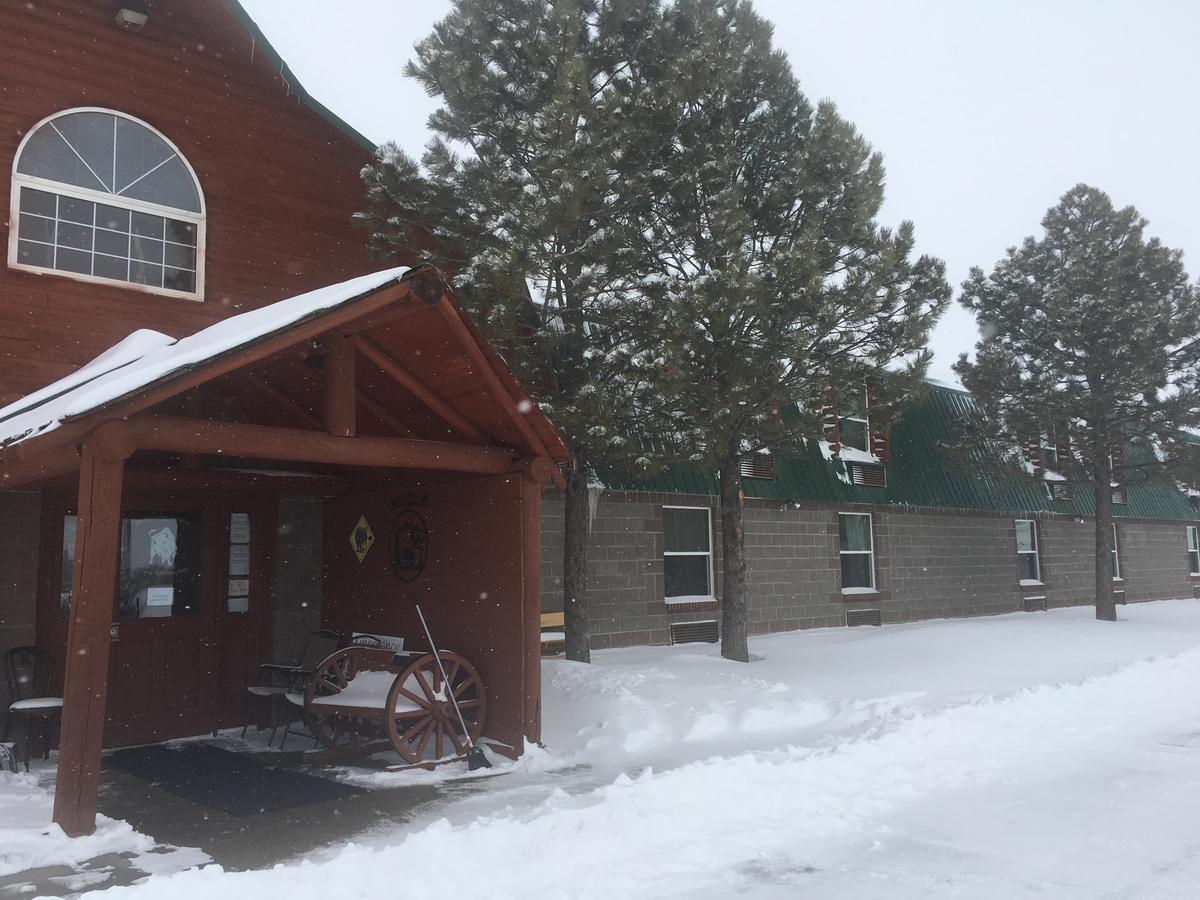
column 101, row 196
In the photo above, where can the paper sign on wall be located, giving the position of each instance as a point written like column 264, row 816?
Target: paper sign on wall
column 238, row 604
column 239, row 528
column 239, row 560
column 160, row 596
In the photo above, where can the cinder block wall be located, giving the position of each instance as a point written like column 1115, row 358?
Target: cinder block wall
column 20, row 530
column 929, row 563
column 299, row 574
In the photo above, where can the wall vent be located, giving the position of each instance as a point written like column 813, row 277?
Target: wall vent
column 758, row 465
column 863, row 617
column 1035, row 604
column 868, row 475
column 704, row 632
column 1196, row 591
column 1060, row 490
column 1119, row 597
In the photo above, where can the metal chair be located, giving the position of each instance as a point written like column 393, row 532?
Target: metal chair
column 29, row 672
column 277, row 680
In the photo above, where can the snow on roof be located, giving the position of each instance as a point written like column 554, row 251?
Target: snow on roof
column 145, row 357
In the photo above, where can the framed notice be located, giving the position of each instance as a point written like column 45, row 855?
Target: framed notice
column 239, row 528
column 239, row 560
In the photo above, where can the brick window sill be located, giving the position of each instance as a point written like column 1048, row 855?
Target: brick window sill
column 695, row 606
column 855, row 596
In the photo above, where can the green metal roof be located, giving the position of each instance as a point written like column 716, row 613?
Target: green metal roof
column 919, row 473
column 261, row 42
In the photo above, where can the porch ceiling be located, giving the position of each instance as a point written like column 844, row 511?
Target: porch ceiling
column 388, row 359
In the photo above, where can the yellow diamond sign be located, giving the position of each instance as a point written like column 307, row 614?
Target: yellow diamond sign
column 361, row 538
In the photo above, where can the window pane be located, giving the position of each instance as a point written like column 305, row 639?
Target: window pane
column 72, row 209
column 91, row 135
column 39, row 202
column 35, row 254
column 112, row 242
column 685, row 530
column 68, row 567
column 46, row 155
column 179, row 279
column 160, row 566
column 36, row 228
column 73, row 261
column 146, row 249
column 147, row 225
column 138, row 151
column 1025, row 541
column 181, row 232
column 169, row 185
column 854, row 532
column 854, row 434
column 112, row 217
column 116, row 267
column 1028, row 566
column 78, row 237
column 1193, row 538
column 856, row 570
column 180, row 257
column 686, row 576
column 145, row 273
column 1194, row 562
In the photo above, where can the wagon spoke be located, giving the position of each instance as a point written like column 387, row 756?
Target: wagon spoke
column 441, row 726
column 420, row 701
column 458, row 745
column 468, row 704
column 425, row 737
column 458, row 691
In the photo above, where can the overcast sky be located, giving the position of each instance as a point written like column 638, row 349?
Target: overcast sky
column 986, row 112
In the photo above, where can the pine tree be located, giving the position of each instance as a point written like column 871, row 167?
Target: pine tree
column 773, row 282
column 1092, row 331
column 520, row 192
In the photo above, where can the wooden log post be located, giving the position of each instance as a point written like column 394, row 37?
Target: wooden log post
column 340, row 395
column 535, row 474
column 93, row 584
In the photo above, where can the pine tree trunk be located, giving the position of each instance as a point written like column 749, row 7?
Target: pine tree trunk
column 733, row 550
column 1106, row 607
column 576, row 525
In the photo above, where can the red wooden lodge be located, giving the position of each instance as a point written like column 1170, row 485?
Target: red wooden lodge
column 168, row 188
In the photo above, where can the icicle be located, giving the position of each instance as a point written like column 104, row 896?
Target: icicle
column 594, row 492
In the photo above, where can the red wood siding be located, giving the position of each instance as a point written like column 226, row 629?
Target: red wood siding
column 280, row 182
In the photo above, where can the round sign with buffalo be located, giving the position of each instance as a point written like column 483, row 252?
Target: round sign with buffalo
column 409, row 542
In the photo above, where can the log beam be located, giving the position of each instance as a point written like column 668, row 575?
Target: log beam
column 93, row 586
column 178, row 435
column 19, row 469
column 417, row 388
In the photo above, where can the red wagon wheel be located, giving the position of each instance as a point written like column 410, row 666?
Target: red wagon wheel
column 335, row 726
column 422, row 724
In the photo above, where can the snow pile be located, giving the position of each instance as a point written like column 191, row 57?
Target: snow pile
column 846, row 755
column 28, row 839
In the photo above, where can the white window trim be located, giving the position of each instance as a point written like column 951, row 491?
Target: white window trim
column 1116, row 555
column 865, row 419
column 69, row 190
column 871, row 553
column 693, row 598
column 1193, row 546
column 1036, row 552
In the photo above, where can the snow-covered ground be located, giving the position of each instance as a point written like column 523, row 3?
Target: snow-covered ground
column 1026, row 755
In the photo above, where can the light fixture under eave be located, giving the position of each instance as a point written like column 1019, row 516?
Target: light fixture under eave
column 133, row 15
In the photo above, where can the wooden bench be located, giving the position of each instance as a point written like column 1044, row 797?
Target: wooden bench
column 554, row 641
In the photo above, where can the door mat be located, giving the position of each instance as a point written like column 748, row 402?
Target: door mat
column 233, row 783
